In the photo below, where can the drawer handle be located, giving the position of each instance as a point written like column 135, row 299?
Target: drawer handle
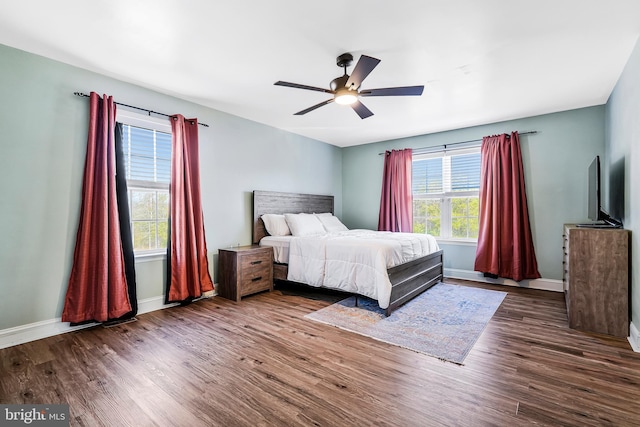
column 256, row 262
column 255, row 279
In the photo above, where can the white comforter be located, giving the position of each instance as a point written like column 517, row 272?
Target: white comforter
column 356, row 260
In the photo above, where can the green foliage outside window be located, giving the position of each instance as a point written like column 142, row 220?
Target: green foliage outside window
column 149, row 213
column 464, row 217
column 144, row 235
column 426, row 216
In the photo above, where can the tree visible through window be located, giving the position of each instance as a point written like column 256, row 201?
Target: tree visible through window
column 445, row 193
column 147, row 155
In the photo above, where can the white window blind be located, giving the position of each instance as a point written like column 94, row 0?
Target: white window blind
column 148, row 155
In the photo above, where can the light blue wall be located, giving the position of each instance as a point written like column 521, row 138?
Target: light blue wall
column 43, row 131
column 555, row 162
column 623, row 163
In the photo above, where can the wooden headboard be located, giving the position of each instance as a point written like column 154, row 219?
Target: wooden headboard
column 272, row 202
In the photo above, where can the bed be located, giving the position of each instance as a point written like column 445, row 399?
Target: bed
column 407, row 279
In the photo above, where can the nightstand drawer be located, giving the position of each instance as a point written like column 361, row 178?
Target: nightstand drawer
column 250, row 285
column 252, row 262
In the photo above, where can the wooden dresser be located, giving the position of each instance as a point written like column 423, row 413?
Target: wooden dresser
column 596, row 279
column 244, row 270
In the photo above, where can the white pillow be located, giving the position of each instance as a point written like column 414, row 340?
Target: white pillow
column 304, row 224
column 331, row 223
column 275, row 225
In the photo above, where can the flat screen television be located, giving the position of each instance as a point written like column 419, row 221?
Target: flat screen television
column 595, row 211
column 594, row 205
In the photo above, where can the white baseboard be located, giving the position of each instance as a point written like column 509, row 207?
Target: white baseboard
column 152, row 304
column 48, row 328
column 35, row 331
column 634, row 337
column 476, row 276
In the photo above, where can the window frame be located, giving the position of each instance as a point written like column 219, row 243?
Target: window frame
column 447, row 194
column 151, row 123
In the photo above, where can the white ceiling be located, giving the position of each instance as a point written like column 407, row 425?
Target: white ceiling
column 481, row 61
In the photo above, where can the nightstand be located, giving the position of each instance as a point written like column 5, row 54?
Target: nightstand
column 244, row 270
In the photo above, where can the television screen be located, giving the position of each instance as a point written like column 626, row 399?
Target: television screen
column 596, row 213
column 594, row 190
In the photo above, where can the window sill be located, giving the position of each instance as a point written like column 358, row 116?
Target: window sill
column 459, row 242
column 150, row 256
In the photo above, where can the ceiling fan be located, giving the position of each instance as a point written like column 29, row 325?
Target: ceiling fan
column 346, row 89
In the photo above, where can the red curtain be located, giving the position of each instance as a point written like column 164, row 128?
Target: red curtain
column 396, row 201
column 97, row 289
column 188, row 266
column 505, row 244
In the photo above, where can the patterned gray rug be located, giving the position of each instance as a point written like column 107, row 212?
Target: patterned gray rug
column 443, row 322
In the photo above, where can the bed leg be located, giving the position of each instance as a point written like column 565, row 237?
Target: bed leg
column 356, row 303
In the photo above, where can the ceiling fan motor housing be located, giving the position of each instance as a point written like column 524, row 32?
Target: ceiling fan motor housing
column 339, row 82
column 344, row 60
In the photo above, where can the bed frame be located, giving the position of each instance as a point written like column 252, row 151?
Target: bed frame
column 407, row 280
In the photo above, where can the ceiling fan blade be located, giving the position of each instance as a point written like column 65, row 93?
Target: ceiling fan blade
column 362, row 111
column 394, row 91
column 365, row 65
column 300, row 113
column 298, row 86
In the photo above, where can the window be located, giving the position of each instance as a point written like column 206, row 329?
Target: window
column 147, row 154
column 445, row 193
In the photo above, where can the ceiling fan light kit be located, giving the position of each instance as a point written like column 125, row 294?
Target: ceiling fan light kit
column 345, row 96
column 346, row 88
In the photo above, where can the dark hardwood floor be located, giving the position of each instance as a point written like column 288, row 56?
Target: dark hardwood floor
column 260, row 363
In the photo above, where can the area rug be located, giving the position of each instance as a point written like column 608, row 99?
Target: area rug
column 443, row 322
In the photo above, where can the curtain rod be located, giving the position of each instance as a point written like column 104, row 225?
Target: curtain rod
column 137, row 108
column 444, row 146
